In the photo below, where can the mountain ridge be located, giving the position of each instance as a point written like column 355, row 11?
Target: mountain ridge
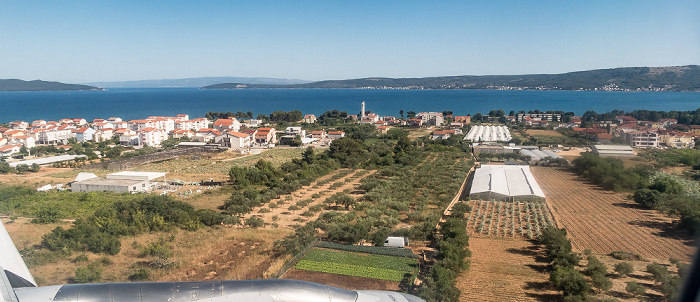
column 672, row 78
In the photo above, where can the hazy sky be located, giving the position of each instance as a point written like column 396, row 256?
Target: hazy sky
column 85, row 41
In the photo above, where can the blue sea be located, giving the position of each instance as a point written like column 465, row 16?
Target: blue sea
column 143, row 102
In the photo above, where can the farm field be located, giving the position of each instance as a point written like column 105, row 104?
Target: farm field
column 604, row 221
column 308, row 202
column 345, row 266
column 508, row 219
column 340, row 281
column 506, row 269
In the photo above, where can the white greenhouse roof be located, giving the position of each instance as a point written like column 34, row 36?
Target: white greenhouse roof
column 505, row 181
column 488, row 134
column 551, row 154
column 45, row 160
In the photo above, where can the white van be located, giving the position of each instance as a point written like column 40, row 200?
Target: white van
column 399, row 242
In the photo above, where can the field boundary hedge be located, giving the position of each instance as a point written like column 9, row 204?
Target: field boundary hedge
column 293, row 261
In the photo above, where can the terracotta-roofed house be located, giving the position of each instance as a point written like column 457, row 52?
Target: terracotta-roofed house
column 441, row 134
column 206, row 135
column 234, row 140
column 227, row 124
column 336, row 134
column 8, row 150
column 309, row 119
column 152, row 136
column 319, row 134
column 84, row 134
column 266, row 136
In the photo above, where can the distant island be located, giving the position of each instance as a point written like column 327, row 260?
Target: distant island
column 38, row 85
column 679, row 78
column 194, row 82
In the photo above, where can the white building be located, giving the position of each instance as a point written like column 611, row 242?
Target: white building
column 234, row 140
column 120, row 182
column 52, row 137
column 643, row 139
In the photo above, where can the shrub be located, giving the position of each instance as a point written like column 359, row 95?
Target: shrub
column 620, row 255
column 624, row 268
column 140, row 274
column 594, row 266
column 647, row 197
column 659, row 272
column 81, row 258
column 635, row 289
column 89, row 274
column 569, row 281
column 254, row 222
column 601, row 282
column 47, row 214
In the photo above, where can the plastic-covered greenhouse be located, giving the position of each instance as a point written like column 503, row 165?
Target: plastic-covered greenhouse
column 505, row 183
column 488, row 134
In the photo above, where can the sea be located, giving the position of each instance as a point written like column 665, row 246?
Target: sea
column 140, row 103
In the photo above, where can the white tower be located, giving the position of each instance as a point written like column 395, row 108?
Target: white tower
column 363, row 110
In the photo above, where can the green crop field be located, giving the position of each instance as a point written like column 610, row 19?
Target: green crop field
column 352, row 264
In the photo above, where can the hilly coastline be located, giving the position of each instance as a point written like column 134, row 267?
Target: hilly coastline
column 680, row 78
column 38, row 85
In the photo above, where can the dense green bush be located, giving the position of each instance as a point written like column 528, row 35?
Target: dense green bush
column 100, row 231
column 91, row 273
column 624, row 268
column 141, row 274
column 608, row 172
column 635, row 289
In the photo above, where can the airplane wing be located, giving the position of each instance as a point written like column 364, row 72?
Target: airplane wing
column 11, row 261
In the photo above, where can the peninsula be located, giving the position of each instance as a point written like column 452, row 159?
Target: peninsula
column 679, row 78
column 38, row 85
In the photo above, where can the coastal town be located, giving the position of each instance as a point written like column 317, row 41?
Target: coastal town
column 17, row 138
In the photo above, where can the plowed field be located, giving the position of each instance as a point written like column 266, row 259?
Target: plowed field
column 604, row 221
column 506, row 269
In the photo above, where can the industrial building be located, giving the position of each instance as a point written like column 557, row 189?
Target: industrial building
column 488, row 134
column 505, row 183
column 120, row 182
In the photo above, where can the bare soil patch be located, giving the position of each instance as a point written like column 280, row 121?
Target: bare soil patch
column 38, row 179
column 341, row 281
column 506, row 269
column 543, row 132
column 604, row 221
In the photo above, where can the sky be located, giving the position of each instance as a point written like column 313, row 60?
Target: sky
column 90, row 41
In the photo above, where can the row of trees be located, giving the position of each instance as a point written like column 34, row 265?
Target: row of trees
column 610, row 173
column 452, row 258
column 212, row 116
column 683, row 117
column 5, row 168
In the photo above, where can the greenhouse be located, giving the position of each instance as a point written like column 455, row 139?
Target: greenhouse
column 488, row 134
column 505, row 183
